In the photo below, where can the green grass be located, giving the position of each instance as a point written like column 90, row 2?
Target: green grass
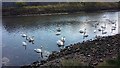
column 71, row 62
column 59, row 8
column 110, row 63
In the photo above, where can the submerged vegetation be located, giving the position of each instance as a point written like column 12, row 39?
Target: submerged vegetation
column 22, row 8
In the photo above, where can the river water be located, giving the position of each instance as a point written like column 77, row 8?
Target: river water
column 43, row 28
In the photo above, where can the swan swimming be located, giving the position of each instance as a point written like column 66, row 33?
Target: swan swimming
column 104, row 32
column 24, row 43
column 113, row 28
column 113, row 22
column 31, row 39
column 103, row 27
column 23, row 34
column 86, row 35
column 39, row 50
column 58, row 33
column 104, row 16
column 60, row 43
column 94, row 31
column 81, row 31
column 58, row 29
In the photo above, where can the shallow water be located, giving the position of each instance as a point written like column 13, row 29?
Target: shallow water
column 43, row 28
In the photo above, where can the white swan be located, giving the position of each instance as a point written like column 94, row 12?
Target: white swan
column 99, row 29
column 63, row 39
column 39, row 51
column 58, row 33
column 60, row 43
column 24, row 43
column 113, row 22
column 23, row 34
column 113, row 28
column 31, row 39
column 104, row 32
column 104, row 16
column 86, row 35
column 95, row 31
column 103, row 27
column 59, row 29
column 81, row 31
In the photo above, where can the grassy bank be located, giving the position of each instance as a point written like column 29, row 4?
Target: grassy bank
column 71, row 7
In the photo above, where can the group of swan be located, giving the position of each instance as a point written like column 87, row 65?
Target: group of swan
column 102, row 28
column 37, row 50
column 28, row 38
column 113, row 22
column 62, row 40
column 113, row 28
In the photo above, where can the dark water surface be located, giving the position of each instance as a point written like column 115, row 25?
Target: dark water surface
column 44, row 29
